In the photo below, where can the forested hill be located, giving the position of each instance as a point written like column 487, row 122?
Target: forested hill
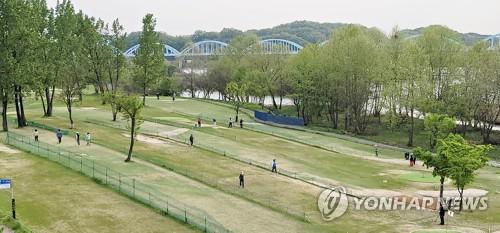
column 302, row 32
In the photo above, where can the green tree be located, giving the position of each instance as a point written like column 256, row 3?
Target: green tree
column 236, row 93
column 130, row 108
column 149, row 61
column 465, row 159
column 439, row 126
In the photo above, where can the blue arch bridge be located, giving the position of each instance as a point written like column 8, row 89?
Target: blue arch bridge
column 212, row 47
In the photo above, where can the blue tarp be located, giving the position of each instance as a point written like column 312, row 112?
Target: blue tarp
column 279, row 119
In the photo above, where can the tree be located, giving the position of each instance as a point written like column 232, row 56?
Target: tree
column 149, row 61
column 439, row 127
column 72, row 61
column 236, row 93
column 118, row 42
column 464, row 159
column 131, row 107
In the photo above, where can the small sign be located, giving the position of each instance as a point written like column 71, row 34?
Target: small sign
column 5, row 184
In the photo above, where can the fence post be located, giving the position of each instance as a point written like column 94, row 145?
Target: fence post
column 106, row 175
column 205, row 224
column 149, row 197
column 119, row 182
column 8, row 136
column 133, row 186
column 81, row 164
column 93, row 169
column 167, row 207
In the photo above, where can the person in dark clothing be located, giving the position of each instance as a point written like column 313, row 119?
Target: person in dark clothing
column 441, row 214
column 241, row 123
column 191, row 140
column 158, row 95
column 59, row 135
column 242, row 180
column 274, row 166
column 77, row 138
column 376, row 150
column 411, row 160
column 230, row 122
column 199, row 122
column 407, row 155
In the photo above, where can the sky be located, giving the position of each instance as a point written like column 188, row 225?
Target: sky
column 183, row 17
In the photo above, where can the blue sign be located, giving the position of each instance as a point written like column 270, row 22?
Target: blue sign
column 5, row 184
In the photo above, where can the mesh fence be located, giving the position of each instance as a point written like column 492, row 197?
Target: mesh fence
column 118, row 181
column 184, row 139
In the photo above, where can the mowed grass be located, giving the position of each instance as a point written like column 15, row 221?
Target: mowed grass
column 52, row 198
column 198, row 198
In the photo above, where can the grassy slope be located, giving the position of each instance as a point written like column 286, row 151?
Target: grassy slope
column 51, row 198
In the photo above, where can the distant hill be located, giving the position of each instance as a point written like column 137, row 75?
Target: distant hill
column 467, row 38
column 301, row 32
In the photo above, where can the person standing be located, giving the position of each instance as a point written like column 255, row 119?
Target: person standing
column 215, row 122
column 35, row 135
column 241, row 123
column 242, row 180
column 88, row 138
column 191, row 140
column 158, row 95
column 78, row 138
column 59, row 136
column 199, row 122
column 173, row 96
column 230, row 122
column 376, row 151
column 441, row 214
column 274, row 166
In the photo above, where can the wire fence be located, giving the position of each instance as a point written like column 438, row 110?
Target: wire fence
column 118, row 181
column 207, row 179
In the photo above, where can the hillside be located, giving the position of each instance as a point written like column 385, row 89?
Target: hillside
column 302, row 32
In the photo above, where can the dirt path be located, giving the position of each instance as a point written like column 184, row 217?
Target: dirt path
column 235, row 213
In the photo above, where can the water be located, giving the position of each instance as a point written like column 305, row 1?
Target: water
column 268, row 101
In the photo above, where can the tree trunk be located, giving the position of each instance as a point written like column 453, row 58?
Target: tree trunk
column 441, row 188
column 411, row 129
column 5, row 102
column 461, row 192
column 68, row 105
column 18, row 110
column 43, row 103
column 21, row 106
column 144, row 94
column 132, row 140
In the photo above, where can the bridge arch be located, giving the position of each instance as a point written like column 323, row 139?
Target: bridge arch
column 493, row 41
column 271, row 45
column 205, row 48
column 168, row 51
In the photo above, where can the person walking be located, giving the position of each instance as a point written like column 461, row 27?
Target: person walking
column 241, row 123
column 199, row 122
column 88, row 138
column 274, row 166
column 191, row 140
column 242, row 180
column 230, row 122
column 173, row 96
column 158, row 95
column 376, row 151
column 59, row 136
column 77, row 138
column 214, row 122
column 35, row 135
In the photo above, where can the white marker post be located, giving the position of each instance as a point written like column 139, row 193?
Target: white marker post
column 7, row 184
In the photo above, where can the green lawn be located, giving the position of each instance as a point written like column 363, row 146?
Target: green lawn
column 51, row 198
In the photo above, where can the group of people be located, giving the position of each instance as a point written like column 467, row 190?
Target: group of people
column 413, row 159
column 231, row 122
column 60, row 134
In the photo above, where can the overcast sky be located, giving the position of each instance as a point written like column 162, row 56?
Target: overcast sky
column 181, row 17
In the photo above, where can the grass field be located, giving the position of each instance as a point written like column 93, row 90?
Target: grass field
column 51, row 198
column 207, row 179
